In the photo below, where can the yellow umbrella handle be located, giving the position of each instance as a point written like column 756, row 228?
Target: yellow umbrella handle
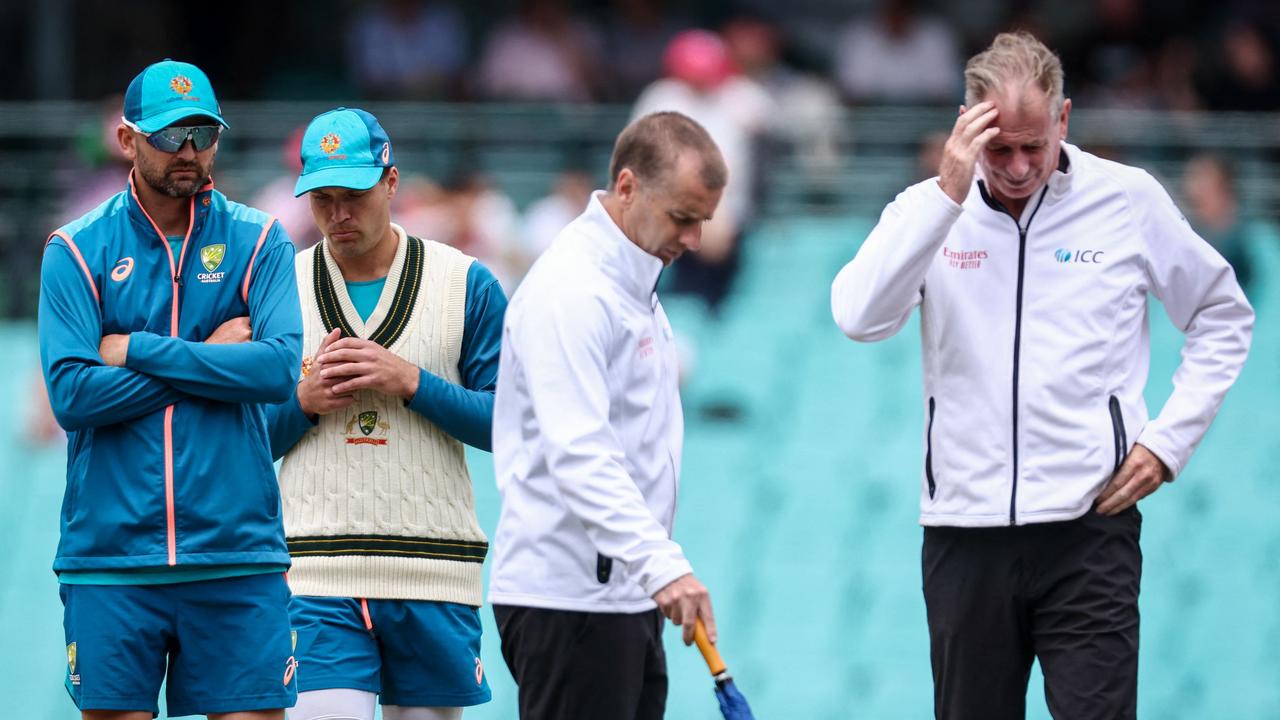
column 709, row 652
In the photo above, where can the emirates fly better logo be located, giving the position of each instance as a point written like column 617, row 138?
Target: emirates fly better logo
column 964, row 259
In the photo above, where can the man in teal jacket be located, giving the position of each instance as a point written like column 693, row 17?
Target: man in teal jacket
column 168, row 314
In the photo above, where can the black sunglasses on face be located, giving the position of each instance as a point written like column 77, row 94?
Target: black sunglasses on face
column 172, row 138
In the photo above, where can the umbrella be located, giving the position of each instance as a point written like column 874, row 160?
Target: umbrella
column 732, row 704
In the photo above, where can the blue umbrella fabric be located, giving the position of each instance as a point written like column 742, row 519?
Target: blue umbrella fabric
column 733, row 706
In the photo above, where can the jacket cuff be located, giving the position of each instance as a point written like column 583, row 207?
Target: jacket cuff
column 940, row 197
column 300, row 416
column 667, row 572
column 142, row 346
column 1151, row 441
column 427, row 394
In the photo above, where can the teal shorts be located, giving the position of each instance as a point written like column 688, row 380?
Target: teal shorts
column 412, row 653
column 225, row 643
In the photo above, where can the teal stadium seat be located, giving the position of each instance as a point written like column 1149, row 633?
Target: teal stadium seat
column 801, row 515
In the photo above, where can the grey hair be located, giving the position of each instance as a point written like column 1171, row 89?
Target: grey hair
column 1014, row 57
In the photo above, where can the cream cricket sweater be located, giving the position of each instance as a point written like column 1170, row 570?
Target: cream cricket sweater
column 377, row 499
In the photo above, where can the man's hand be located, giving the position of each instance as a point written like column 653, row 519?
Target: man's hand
column 1141, row 474
column 684, row 600
column 315, row 394
column 235, row 330
column 355, row 364
column 970, row 134
column 114, row 349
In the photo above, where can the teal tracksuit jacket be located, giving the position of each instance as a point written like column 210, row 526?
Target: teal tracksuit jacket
column 169, row 462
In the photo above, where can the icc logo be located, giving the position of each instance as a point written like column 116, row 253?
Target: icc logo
column 1063, row 255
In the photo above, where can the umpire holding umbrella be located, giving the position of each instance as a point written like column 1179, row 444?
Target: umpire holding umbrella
column 587, row 440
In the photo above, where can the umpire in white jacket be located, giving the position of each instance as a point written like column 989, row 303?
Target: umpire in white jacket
column 1031, row 261
column 587, row 439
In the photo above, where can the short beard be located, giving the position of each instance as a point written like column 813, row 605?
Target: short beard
column 160, row 181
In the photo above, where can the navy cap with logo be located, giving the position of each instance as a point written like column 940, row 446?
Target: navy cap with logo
column 169, row 91
column 345, row 147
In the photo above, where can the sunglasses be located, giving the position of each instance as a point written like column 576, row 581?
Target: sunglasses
column 172, row 138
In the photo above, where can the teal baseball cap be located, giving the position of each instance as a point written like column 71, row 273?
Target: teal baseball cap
column 345, row 147
column 169, row 91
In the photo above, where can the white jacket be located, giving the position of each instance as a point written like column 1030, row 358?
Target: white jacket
column 1035, row 335
column 587, row 429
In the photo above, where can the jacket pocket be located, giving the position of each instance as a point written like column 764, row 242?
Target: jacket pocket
column 604, row 568
column 1117, row 432
column 928, row 451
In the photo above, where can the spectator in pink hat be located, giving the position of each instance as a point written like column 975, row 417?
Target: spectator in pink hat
column 702, row 82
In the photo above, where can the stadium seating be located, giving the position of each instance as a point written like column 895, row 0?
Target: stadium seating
column 800, row 514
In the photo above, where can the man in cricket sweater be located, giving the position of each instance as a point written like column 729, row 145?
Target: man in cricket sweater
column 400, row 359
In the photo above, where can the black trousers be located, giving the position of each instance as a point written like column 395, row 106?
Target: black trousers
column 571, row 665
column 1063, row 592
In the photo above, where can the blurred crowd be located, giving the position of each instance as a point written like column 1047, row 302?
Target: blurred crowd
column 1176, row 54
column 1117, row 53
column 758, row 77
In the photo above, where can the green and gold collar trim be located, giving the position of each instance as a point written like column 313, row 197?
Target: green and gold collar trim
column 401, row 309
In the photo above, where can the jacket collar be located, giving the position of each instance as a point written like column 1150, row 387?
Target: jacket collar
column 1059, row 183
column 621, row 259
column 199, row 210
column 1062, row 178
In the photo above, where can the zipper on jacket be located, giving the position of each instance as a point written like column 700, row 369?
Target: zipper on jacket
column 175, row 274
column 171, row 522
column 928, row 452
column 1117, row 431
column 671, row 459
column 1017, row 327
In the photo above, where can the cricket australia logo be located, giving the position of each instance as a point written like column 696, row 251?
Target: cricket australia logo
column 211, row 258
column 372, row 430
column 72, row 675
column 330, row 143
column 180, row 84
